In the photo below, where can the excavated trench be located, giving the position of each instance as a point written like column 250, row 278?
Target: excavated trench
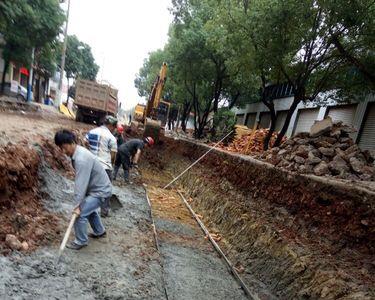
column 289, row 236
column 36, row 192
column 294, row 236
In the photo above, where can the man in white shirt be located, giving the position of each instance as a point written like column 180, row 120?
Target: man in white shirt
column 103, row 144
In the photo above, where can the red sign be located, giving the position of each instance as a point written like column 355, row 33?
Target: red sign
column 24, row 71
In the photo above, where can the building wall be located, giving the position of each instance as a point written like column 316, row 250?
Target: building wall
column 284, row 104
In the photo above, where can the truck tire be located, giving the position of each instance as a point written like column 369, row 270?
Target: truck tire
column 79, row 115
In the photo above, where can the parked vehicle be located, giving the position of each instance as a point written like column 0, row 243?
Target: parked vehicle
column 94, row 101
column 139, row 112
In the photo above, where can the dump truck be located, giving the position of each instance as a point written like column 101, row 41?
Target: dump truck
column 139, row 112
column 95, row 101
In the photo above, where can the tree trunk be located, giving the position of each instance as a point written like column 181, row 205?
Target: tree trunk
column 6, row 66
column 267, row 139
column 283, row 130
column 185, row 115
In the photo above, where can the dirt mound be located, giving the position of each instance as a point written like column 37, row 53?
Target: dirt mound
column 333, row 153
column 21, row 210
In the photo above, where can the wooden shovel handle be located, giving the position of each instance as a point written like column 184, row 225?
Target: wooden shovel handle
column 67, row 233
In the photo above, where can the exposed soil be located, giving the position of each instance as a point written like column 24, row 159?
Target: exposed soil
column 36, row 201
column 301, row 236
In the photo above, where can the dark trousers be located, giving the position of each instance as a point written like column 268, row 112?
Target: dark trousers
column 105, row 207
column 122, row 159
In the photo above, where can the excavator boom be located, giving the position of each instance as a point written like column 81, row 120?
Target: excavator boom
column 155, row 97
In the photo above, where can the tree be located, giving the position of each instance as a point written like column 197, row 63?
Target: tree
column 80, row 61
column 352, row 30
column 151, row 67
column 26, row 25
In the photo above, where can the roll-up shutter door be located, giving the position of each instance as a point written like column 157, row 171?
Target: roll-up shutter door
column 240, row 119
column 280, row 119
column 344, row 113
column 250, row 119
column 265, row 119
column 367, row 135
column 306, row 118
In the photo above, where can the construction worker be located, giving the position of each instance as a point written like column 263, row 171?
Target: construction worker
column 103, row 144
column 92, row 187
column 128, row 155
column 119, row 135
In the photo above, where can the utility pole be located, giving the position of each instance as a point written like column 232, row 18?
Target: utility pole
column 59, row 94
column 31, row 74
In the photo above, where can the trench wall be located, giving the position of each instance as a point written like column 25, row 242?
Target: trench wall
column 305, row 237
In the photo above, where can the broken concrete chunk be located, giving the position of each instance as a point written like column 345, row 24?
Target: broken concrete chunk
column 312, row 159
column 321, row 127
column 352, row 149
column 321, row 169
column 282, row 152
column 298, row 159
column 342, row 146
column 330, row 152
column 338, row 165
column 12, row 242
column 302, row 151
column 356, row 165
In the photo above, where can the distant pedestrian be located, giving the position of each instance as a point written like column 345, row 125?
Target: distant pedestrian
column 103, row 144
column 128, row 155
column 48, row 100
column 92, row 187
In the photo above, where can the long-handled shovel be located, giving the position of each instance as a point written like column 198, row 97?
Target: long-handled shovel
column 66, row 236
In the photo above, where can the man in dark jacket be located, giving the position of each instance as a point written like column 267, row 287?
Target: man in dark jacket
column 128, row 154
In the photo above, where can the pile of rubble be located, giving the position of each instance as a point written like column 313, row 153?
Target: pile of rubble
column 248, row 141
column 328, row 150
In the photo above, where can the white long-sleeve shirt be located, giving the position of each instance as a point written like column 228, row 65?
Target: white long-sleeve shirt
column 102, row 143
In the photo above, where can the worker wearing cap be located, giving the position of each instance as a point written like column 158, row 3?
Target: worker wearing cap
column 92, row 187
column 103, row 144
column 128, row 155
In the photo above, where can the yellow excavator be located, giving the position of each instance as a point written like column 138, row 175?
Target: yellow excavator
column 155, row 115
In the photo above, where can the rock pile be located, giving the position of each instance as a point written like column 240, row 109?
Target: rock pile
column 328, row 150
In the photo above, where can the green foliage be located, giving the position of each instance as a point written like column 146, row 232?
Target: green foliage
column 26, row 25
column 46, row 58
column 224, row 121
column 149, row 71
column 226, row 53
column 80, row 61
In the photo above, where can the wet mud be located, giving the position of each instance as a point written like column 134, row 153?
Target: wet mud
column 123, row 265
column 192, row 268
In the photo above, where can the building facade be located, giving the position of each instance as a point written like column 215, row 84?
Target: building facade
column 360, row 115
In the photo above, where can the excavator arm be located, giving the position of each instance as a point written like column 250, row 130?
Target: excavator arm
column 156, row 92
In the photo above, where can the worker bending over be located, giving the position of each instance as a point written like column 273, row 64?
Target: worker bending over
column 92, row 187
column 128, row 155
column 103, row 144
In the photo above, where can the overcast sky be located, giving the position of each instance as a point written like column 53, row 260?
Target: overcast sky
column 121, row 34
